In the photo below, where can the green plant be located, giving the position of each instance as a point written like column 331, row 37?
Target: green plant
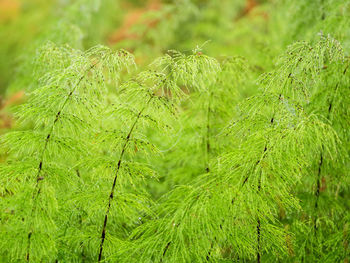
column 192, row 158
column 56, row 122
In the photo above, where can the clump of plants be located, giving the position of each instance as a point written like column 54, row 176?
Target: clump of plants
column 192, row 158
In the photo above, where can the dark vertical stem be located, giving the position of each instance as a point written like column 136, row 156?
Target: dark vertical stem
column 209, row 252
column 47, row 139
column 208, row 136
column 165, row 250
column 258, row 241
column 317, row 191
column 318, row 181
column 319, row 172
column 258, row 222
column 258, row 225
column 111, row 195
column 28, row 245
column 207, row 140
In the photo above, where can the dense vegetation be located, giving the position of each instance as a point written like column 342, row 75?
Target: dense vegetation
column 197, row 131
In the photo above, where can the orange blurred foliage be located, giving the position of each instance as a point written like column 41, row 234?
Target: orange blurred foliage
column 9, row 10
column 132, row 18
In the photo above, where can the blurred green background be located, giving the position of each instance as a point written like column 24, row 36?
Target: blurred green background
column 258, row 30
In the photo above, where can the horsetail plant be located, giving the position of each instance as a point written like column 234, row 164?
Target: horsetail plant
column 321, row 71
column 146, row 100
column 55, row 121
column 233, row 212
column 188, row 159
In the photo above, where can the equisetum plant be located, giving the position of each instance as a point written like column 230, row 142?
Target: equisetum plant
column 321, row 71
column 56, row 123
column 233, row 211
column 193, row 157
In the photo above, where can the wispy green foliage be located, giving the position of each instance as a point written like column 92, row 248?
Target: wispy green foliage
column 321, row 71
column 192, row 158
column 39, row 170
column 233, row 211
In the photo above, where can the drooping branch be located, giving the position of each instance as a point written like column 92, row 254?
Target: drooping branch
column 258, row 226
column 208, row 136
column 207, row 169
column 111, row 195
column 233, row 200
column 317, row 191
column 319, row 172
column 39, row 178
column 258, row 240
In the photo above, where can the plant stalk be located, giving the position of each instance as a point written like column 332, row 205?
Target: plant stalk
column 38, row 177
column 111, row 195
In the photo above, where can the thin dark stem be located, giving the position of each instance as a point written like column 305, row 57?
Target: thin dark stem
column 258, row 226
column 208, row 137
column 317, row 192
column 165, row 250
column 28, row 246
column 208, row 158
column 207, row 169
column 258, row 241
column 209, row 252
column 111, row 195
column 319, row 172
column 40, row 167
